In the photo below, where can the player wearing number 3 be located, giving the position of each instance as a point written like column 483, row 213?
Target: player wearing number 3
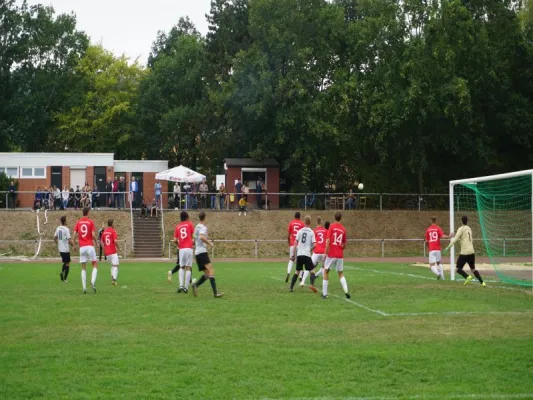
column 433, row 236
column 85, row 231
column 335, row 244
column 111, row 248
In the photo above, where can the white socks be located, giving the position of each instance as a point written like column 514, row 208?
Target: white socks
column 84, row 279
column 289, row 266
column 441, row 272
column 114, row 272
column 93, row 277
column 181, row 275
column 324, row 287
column 187, row 279
column 344, row 284
column 434, row 270
column 318, row 273
column 306, row 274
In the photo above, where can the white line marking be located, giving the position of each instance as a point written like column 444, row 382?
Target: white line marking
column 425, row 397
column 278, row 279
column 384, row 314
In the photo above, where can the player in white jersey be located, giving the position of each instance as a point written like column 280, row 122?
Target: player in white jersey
column 63, row 240
column 304, row 243
column 467, row 254
column 202, row 257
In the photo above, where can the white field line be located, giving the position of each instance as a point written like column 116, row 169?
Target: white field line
column 425, row 397
column 382, row 313
column 431, row 279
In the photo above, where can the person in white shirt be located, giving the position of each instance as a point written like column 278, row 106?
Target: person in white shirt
column 177, row 196
column 65, row 195
column 202, row 257
column 63, row 240
column 57, row 198
column 303, row 246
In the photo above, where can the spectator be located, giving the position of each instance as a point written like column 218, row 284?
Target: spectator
column 144, row 209
column 115, row 193
column 65, row 197
column 134, row 191
column 238, row 189
column 77, row 197
column 245, row 191
column 259, row 192
column 46, row 198
column 13, row 194
column 96, row 198
column 213, row 189
column 121, row 192
column 38, row 199
column 72, row 199
column 153, row 208
column 177, row 196
column 222, row 196
column 187, row 190
column 87, row 192
column 350, row 203
column 157, row 190
column 57, row 199
column 109, row 193
column 84, row 201
column 203, row 189
column 242, row 206
column 100, row 233
column 194, row 196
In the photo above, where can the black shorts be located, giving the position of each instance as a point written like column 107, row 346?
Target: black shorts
column 202, row 260
column 304, row 261
column 469, row 259
column 65, row 257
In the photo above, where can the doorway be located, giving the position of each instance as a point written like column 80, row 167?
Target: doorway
column 57, row 178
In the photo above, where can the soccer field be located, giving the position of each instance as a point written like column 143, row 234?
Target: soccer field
column 403, row 335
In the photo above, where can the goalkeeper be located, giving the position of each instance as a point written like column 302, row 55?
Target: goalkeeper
column 467, row 254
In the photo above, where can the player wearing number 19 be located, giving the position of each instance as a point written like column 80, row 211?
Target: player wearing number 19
column 85, row 231
column 183, row 235
column 111, row 248
column 335, row 244
column 433, row 236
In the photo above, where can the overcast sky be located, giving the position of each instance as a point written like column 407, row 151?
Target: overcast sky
column 130, row 26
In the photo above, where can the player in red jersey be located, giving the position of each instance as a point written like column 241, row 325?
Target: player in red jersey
column 183, row 237
column 85, row 231
column 321, row 234
column 335, row 244
column 110, row 242
column 294, row 226
column 433, row 236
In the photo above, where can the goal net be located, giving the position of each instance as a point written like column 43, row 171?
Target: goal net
column 499, row 210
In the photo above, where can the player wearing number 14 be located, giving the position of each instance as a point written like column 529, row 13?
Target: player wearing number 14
column 335, row 244
column 110, row 242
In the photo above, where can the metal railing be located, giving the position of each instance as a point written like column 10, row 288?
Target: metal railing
column 376, row 242
column 35, row 243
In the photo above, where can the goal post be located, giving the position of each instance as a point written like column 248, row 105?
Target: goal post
column 500, row 214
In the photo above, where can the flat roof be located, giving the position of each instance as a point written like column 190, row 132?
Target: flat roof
column 250, row 163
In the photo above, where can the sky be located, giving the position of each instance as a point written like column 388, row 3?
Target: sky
column 130, row 26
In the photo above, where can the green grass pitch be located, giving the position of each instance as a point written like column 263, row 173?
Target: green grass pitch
column 403, row 336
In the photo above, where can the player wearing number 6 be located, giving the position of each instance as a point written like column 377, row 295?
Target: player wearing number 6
column 111, row 248
column 467, row 254
column 335, row 244
column 183, row 235
column 85, row 231
column 433, row 236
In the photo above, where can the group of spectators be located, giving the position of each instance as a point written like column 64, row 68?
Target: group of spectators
column 54, row 198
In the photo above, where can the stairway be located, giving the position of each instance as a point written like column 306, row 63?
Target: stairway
column 147, row 237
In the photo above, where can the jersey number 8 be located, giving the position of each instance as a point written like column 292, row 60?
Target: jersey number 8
column 183, row 233
column 304, row 237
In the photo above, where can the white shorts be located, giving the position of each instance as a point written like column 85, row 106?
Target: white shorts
column 113, row 259
column 291, row 252
column 434, row 256
column 338, row 263
column 317, row 259
column 185, row 257
column 87, row 253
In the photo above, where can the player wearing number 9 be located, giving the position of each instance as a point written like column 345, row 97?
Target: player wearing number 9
column 85, row 232
column 335, row 244
column 111, row 249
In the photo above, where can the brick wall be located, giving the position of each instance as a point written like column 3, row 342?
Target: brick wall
column 231, row 175
column 89, row 176
column 273, row 187
column 65, row 177
column 30, row 185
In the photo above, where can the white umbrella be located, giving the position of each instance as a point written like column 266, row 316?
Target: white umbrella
column 180, row 174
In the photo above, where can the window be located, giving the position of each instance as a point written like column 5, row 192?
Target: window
column 11, row 172
column 27, row 172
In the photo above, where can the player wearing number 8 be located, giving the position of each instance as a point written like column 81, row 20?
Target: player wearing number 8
column 111, row 248
column 85, row 231
column 335, row 244
column 183, row 235
column 433, row 236
column 304, row 244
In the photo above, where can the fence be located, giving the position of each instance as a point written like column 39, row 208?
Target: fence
column 48, row 248
column 359, row 248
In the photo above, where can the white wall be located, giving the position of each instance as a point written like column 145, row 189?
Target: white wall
column 140, row 166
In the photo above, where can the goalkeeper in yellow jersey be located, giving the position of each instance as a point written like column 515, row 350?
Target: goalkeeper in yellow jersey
column 467, row 254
